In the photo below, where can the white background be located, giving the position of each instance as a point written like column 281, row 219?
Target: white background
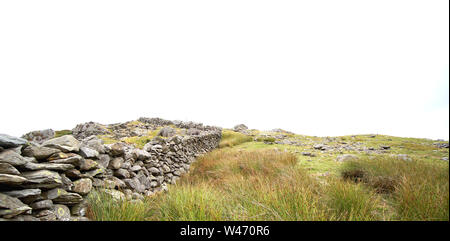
column 322, row 68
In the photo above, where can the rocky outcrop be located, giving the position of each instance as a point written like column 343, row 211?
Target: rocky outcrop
column 39, row 136
column 51, row 180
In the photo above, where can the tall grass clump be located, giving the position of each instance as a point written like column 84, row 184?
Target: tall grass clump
column 418, row 190
column 231, row 138
column 352, row 202
column 103, row 207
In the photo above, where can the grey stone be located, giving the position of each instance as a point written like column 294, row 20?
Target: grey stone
column 88, row 164
column 7, row 141
column 7, row 168
column 82, row 186
column 39, row 152
column 48, row 166
column 23, row 193
column 8, row 179
column 61, row 196
column 11, row 157
column 44, row 204
column 121, row 173
column 116, row 163
column 87, row 152
column 42, row 179
column 166, row 132
column 103, row 160
column 65, row 143
column 11, row 206
column 62, row 212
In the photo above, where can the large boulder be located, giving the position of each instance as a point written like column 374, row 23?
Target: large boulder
column 166, row 132
column 66, row 143
column 240, row 127
column 7, row 141
column 87, row 129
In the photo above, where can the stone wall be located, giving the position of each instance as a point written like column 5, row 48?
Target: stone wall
column 50, row 180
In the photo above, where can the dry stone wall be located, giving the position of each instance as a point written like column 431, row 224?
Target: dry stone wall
column 50, row 179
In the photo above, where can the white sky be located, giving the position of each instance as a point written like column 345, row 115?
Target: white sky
column 322, row 68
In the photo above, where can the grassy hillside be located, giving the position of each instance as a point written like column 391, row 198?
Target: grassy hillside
column 283, row 176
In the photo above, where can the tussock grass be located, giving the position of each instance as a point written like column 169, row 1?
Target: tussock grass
column 269, row 184
column 231, row 138
column 418, row 190
column 103, row 207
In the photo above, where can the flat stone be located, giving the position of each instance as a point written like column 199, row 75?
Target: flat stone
column 9, row 179
column 74, row 160
column 61, row 196
column 7, row 141
column 44, row 204
column 42, row 179
column 7, row 168
column 11, row 157
column 39, row 152
column 23, row 193
column 11, row 206
column 48, row 166
column 87, row 152
column 66, row 143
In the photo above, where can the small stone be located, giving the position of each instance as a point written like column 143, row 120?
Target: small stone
column 88, row 152
column 82, row 186
column 116, row 163
column 62, row 212
column 88, row 164
column 44, row 204
column 122, row 173
column 346, row 157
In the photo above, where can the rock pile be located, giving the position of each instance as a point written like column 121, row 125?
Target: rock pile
column 52, row 179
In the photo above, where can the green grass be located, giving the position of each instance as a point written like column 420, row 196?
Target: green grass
column 231, row 138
